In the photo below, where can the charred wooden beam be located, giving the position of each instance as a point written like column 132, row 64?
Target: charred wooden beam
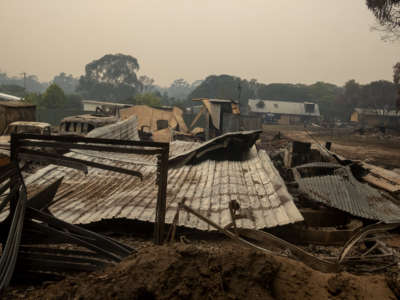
column 76, row 139
column 73, row 162
column 103, row 148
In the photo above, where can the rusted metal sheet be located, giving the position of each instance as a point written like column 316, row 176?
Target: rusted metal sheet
column 343, row 191
column 208, row 186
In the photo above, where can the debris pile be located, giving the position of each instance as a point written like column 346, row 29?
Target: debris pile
column 286, row 202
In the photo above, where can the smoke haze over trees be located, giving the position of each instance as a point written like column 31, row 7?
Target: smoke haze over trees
column 31, row 82
column 67, row 83
column 334, row 101
column 115, row 78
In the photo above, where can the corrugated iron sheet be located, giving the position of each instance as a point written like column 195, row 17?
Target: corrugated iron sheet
column 344, row 192
column 207, row 186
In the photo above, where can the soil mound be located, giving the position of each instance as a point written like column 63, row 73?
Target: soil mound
column 202, row 272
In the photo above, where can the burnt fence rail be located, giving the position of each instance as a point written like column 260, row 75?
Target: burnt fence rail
column 24, row 146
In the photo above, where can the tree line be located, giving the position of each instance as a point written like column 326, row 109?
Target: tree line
column 111, row 78
column 114, row 78
column 334, row 101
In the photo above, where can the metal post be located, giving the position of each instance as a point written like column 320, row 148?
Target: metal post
column 162, row 179
column 14, row 181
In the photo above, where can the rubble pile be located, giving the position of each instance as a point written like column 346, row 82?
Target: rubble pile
column 303, row 215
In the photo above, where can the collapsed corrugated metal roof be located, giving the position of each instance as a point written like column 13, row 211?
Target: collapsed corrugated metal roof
column 343, row 191
column 208, row 185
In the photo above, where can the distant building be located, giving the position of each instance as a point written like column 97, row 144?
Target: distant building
column 375, row 117
column 11, row 111
column 284, row 112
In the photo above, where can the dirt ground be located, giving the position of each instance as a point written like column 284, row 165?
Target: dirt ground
column 209, row 271
column 380, row 150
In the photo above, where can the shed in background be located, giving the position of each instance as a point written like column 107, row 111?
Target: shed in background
column 11, row 111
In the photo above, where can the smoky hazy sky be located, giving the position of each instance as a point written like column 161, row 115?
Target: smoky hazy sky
column 296, row 41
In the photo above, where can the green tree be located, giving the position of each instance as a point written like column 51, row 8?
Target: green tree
column 379, row 95
column 53, row 97
column 375, row 95
column 147, row 84
column 283, row 92
column 112, row 78
column 352, row 94
column 223, row 87
column 179, row 89
column 73, row 101
column 396, row 80
column 33, row 98
column 67, row 82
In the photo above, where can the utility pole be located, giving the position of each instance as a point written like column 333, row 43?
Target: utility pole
column 239, row 91
column 24, row 73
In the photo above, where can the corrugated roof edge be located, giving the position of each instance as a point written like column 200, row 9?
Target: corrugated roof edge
column 184, row 157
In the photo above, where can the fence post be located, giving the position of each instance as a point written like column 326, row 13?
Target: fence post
column 162, row 180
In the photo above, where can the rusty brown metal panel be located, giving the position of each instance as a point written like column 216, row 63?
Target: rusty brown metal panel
column 208, row 187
